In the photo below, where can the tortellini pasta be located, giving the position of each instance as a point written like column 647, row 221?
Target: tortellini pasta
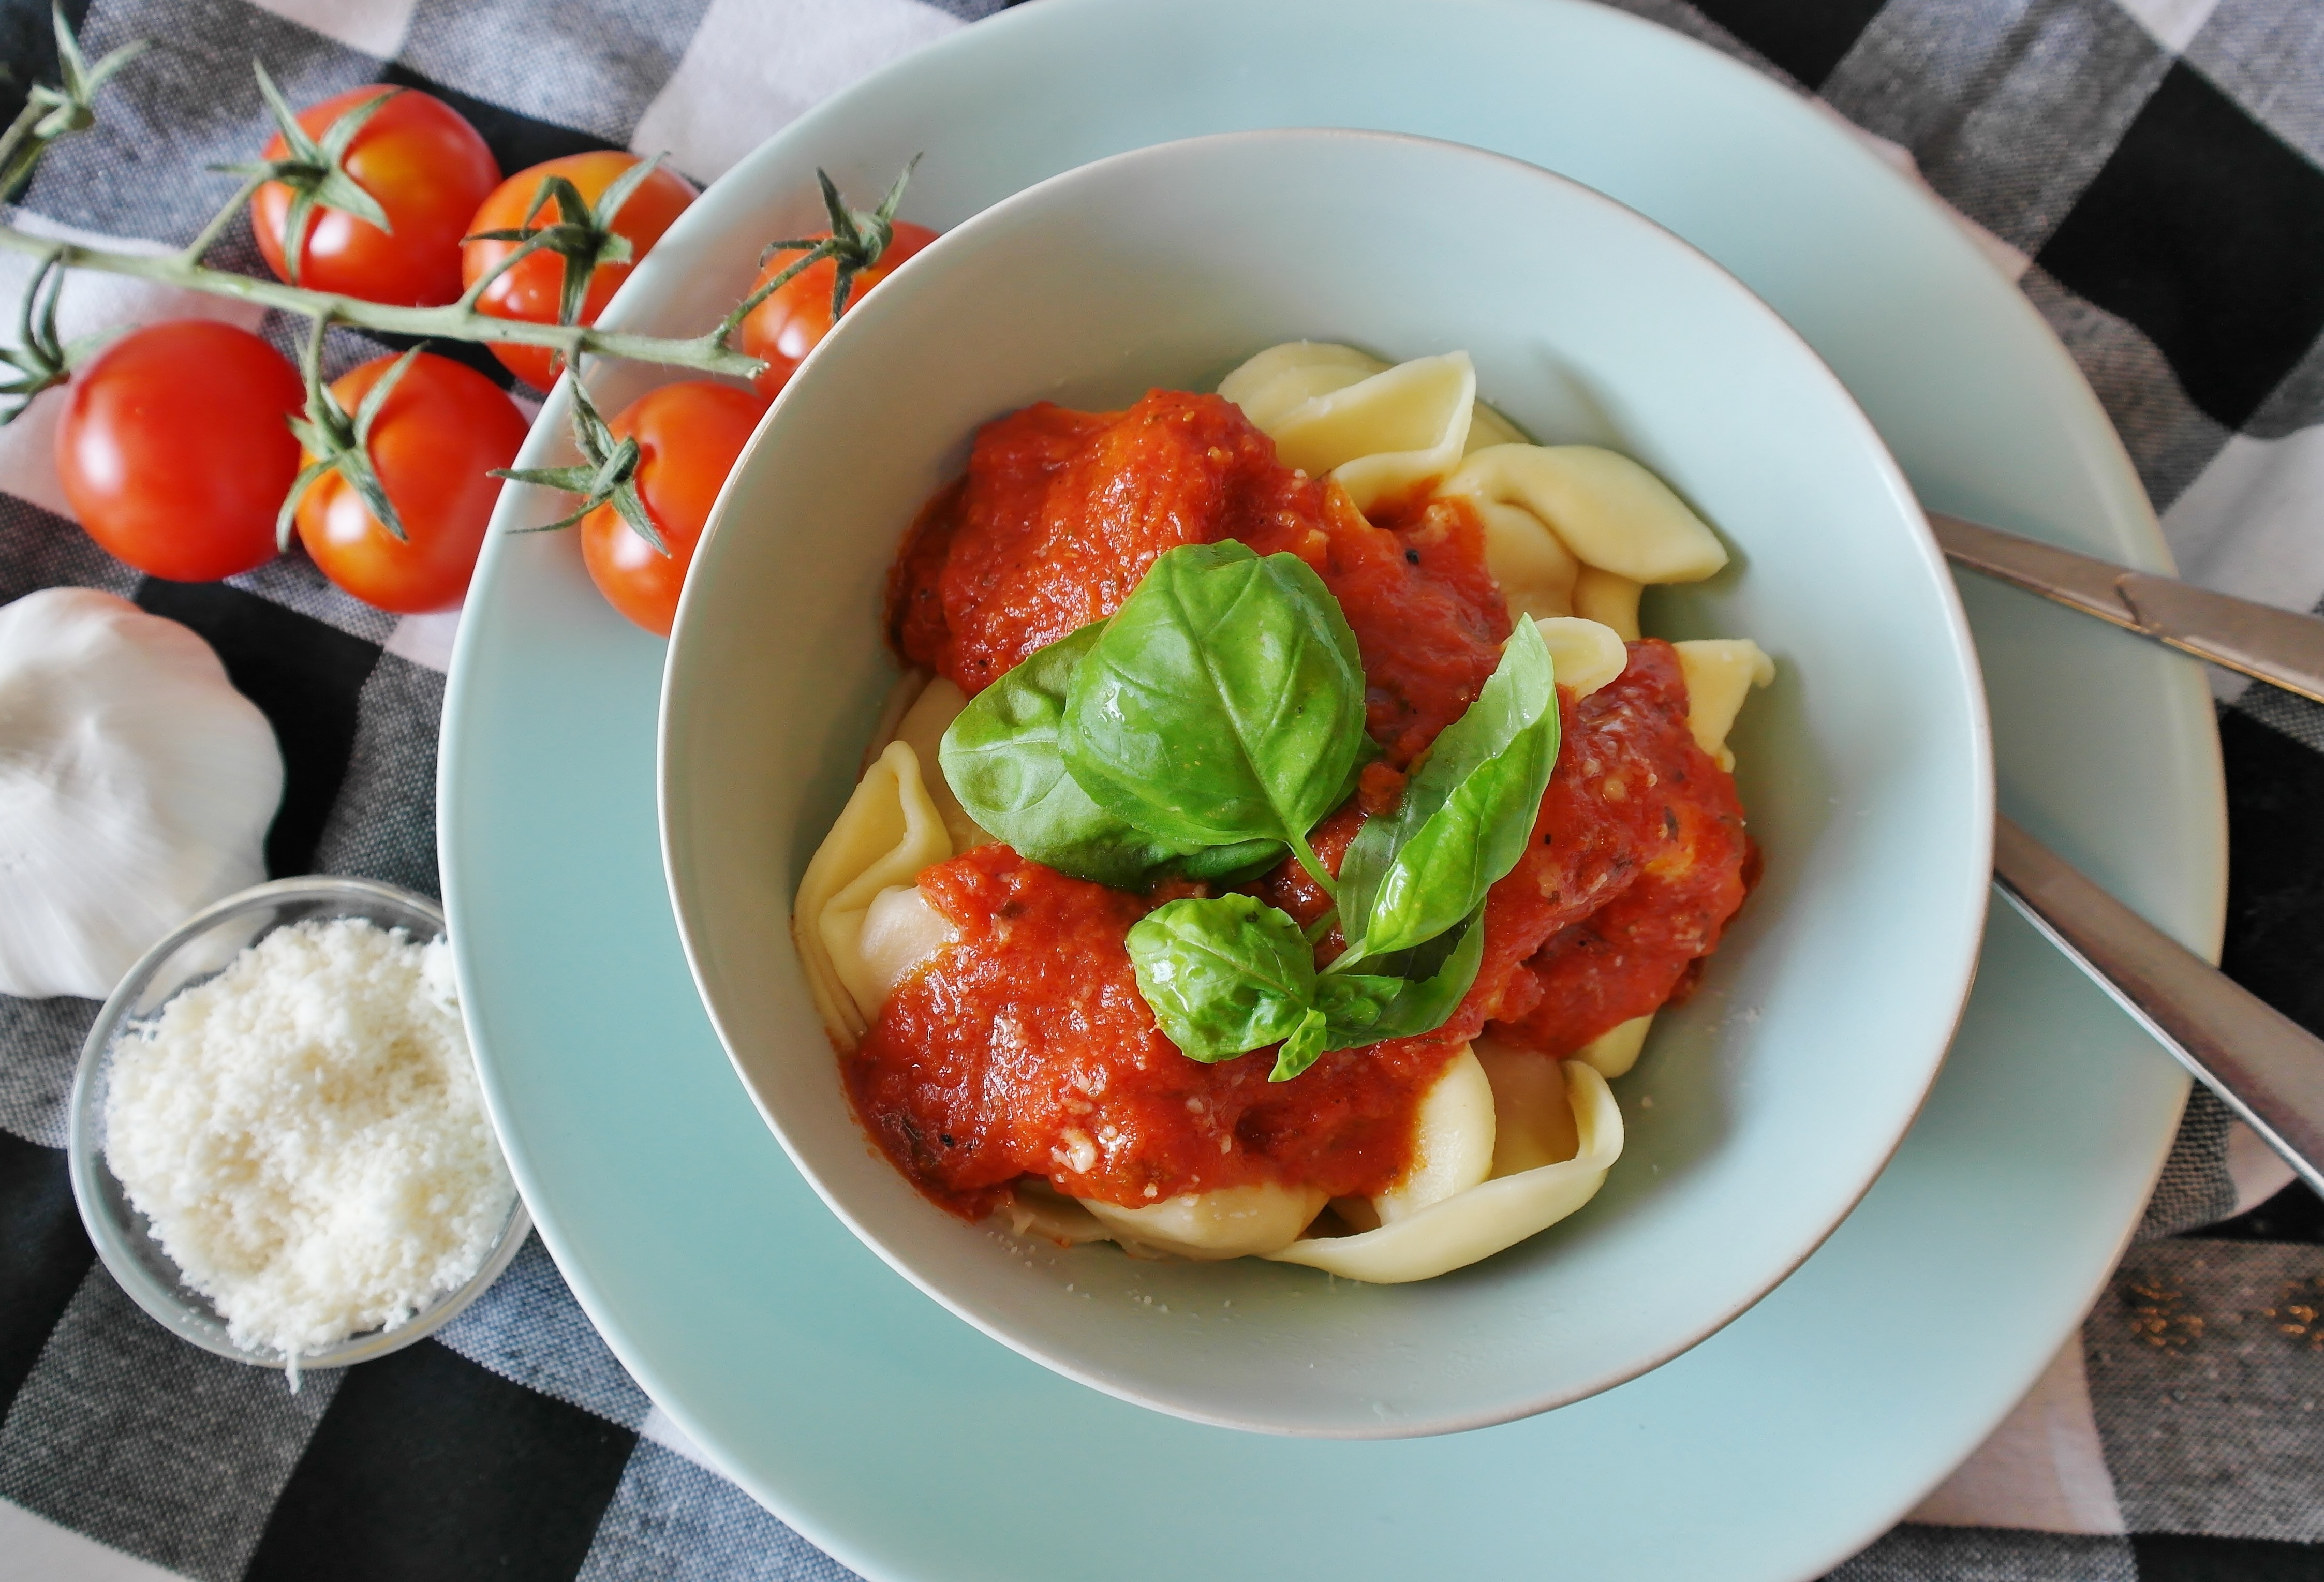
column 1610, row 512
column 1499, row 1212
column 1611, row 599
column 1508, row 1142
column 1226, row 1222
column 1386, row 435
column 1613, row 1053
column 922, row 728
column 1508, row 1139
column 1720, row 672
column 888, row 832
column 1586, row 654
column 1283, row 378
column 1270, row 385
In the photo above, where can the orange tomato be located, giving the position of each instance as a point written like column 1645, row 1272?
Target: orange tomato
column 793, row 321
column 429, row 169
column 688, row 435
column 442, row 432
column 534, row 288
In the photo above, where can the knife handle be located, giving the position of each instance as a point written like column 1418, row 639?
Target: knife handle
column 2265, row 1067
column 2281, row 647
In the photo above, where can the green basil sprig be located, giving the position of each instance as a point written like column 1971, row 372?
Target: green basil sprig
column 1213, row 721
column 1465, row 818
column 1001, row 759
column 1225, row 974
column 1224, row 702
column 1231, row 973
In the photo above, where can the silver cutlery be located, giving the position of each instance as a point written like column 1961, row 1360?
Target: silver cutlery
column 2280, row 647
column 2266, row 1067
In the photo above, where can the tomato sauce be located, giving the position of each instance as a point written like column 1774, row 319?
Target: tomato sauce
column 1025, row 1049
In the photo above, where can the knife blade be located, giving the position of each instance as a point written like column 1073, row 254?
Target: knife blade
column 2281, row 647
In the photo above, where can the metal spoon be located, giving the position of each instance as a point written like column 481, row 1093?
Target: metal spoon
column 2266, row 1067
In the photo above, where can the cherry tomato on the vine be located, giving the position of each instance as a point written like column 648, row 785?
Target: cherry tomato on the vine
column 429, row 169
column 789, row 325
column 175, row 447
column 533, row 290
column 437, row 438
column 688, row 435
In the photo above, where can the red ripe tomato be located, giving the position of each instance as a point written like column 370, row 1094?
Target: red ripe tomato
column 789, row 324
column 175, row 449
column 534, row 288
column 429, row 169
column 688, row 435
column 443, row 429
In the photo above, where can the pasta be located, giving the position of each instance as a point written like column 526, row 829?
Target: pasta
column 887, row 834
column 1387, row 434
column 1610, row 512
column 1488, row 1217
column 1586, row 653
column 1613, row 1053
column 1720, row 672
column 1610, row 599
column 921, row 727
column 1507, row 1137
column 1229, row 1222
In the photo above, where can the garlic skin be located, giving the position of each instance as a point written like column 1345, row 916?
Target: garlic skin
column 137, row 786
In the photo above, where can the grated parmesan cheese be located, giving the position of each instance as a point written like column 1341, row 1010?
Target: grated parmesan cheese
column 306, row 1133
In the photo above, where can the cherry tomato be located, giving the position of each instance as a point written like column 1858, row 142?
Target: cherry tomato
column 429, row 169
column 789, row 324
column 688, row 435
column 532, row 289
column 175, row 449
column 443, row 429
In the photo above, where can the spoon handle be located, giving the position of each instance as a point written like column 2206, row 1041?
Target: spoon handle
column 2281, row 647
column 2267, row 1068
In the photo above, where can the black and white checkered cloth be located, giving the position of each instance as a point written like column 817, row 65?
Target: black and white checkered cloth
column 2152, row 173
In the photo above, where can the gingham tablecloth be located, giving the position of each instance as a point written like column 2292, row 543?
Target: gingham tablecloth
column 2148, row 170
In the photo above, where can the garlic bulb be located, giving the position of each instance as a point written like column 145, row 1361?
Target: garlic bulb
column 136, row 787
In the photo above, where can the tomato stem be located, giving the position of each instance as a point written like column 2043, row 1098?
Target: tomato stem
column 314, row 170
column 38, row 358
column 859, row 239
column 52, row 113
column 707, row 353
column 338, row 441
column 607, row 475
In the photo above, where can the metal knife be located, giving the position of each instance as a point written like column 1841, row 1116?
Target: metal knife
column 2277, row 646
column 2267, row 1068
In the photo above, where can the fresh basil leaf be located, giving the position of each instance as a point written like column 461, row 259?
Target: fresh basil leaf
column 1224, row 702
column 1001, row 759
column 1365, row 1008
column 1465, row 818
column 1229, row 866
column 1301, row 1049
column 1224, row 975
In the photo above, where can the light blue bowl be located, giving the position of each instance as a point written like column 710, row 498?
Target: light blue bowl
column 1764, row 1107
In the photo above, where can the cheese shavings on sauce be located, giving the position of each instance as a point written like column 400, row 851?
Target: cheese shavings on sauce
column 307, row 1134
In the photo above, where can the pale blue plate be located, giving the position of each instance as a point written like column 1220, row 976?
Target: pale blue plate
column 911, row 1445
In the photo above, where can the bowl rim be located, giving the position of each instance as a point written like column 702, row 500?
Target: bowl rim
column 1962, row 950
column 179, row 1308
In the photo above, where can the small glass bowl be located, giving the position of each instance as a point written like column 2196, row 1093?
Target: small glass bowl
column 198, row 950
